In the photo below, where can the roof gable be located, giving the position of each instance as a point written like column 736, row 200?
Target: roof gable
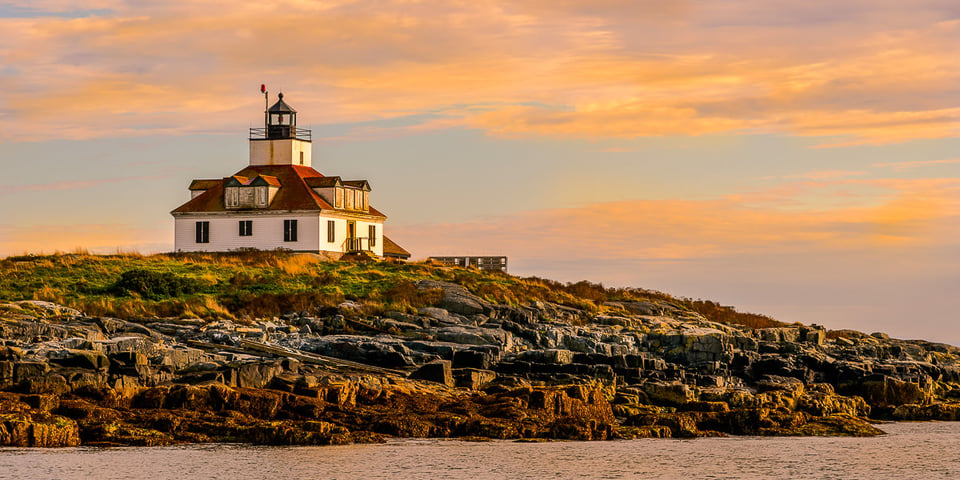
column 361, row 184
column 323, row 182
column 265, row 180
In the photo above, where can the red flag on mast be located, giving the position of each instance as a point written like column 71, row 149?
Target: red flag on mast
column 263, row 88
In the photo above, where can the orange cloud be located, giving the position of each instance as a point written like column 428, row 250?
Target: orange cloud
column 829, row 174
column 912, row 214
column 608, row 69
column 72, row 184
column 635, row 120
column 900, row 166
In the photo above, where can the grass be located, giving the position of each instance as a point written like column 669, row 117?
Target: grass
column 263, row 284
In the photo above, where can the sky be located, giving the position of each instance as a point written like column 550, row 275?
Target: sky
column 796, row 159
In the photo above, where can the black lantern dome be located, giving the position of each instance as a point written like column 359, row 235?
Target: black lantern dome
column 281, row 120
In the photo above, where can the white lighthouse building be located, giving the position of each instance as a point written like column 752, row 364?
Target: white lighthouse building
column 280, row 202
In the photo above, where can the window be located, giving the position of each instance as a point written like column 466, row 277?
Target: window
column 301, row 158
column 366, row 201
column 373, row 235
column 339, row 199
column 261, row 196
column 349, row 198
column 203, row 232
column 246, row 228
column 289, row 230
column 358, row 199
column 246, row 197
column 232, row 199
column 331, row 231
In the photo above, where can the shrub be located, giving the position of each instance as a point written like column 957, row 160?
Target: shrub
column 154, row 285
column 405, row 293
column 590, row 291
column 724, row 314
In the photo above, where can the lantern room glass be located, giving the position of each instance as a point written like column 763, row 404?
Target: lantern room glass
column 286, row 119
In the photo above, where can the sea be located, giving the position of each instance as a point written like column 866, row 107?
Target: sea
column 908, row 451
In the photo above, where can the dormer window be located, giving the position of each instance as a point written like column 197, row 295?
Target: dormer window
column 231, row 197
column 244, row 192
column 262, row 197
column 342, row 195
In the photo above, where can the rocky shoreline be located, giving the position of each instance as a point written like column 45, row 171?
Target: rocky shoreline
column 464, row 369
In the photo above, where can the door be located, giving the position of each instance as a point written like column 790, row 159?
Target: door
column 352, row 244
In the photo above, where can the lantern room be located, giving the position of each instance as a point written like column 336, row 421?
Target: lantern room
column 281, row 120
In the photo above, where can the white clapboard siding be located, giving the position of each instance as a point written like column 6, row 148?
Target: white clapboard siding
column 268, row 233
column 225, row 233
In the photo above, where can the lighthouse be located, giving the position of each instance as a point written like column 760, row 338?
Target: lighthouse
column 278, row 201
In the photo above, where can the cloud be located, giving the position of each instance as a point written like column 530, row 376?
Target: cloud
column 908, row 214
column 901, row 166
column 73, row 184
column 829, row 174
column 864, row 73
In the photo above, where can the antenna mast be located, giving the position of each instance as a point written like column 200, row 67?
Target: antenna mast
column 266, row 106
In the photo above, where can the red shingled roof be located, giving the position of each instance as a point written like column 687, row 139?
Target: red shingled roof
column 203, row 184
column 294, row 192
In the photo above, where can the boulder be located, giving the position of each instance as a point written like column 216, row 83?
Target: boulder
column 475, row 336
column 457, row 299
column 128, row 359
column 770, row 383
column 89, row 359
column 554, row 356
column 949, row 412
column 472, row 359
column 52, row 308
column 886, row 391
column 252, row 374
column 473, row 378
column 10, row 353
column 845, row 342
column 439, row 371
column 668, row 393
column 179, row 356
column 24, row 430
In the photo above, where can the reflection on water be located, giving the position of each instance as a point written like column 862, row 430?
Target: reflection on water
column 909, row 451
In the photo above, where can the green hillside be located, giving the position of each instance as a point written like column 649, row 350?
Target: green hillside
column 262, row 284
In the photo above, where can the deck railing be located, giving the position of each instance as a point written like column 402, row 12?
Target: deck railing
column 299, row 134
column 356, row 244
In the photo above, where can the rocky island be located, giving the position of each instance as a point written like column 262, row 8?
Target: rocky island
column 281, row 349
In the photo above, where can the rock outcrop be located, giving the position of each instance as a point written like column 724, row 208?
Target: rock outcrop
column 464, row 368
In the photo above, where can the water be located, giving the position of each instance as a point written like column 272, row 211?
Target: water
column 909, row 451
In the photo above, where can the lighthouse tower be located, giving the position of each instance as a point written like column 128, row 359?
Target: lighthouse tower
column 280, row 142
